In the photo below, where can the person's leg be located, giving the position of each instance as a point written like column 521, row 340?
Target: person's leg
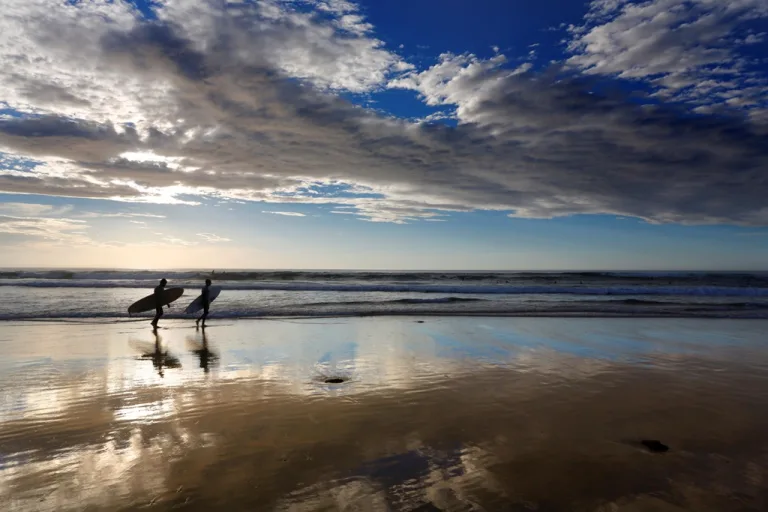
column 205, row 315
column 158, row 314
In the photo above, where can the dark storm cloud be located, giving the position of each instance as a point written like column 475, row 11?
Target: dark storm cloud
column 64, row 187
column 153, row 42
column 47, row 93
column 63, row 137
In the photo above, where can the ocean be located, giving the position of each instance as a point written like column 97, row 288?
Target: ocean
column 106, row 294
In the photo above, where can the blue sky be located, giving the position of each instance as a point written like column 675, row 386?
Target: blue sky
column 607, row 134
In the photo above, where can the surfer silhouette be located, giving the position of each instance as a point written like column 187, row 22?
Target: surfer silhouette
column 159, row 302
column 205, row 295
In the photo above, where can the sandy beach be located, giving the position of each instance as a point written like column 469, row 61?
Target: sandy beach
column 385, row 414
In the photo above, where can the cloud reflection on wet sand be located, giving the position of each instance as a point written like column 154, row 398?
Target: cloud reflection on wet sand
column 453, row 414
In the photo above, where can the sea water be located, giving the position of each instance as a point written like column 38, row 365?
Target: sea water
column 63, row 294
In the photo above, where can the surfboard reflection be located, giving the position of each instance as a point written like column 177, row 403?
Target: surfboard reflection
column 207, row 357
column 160, row 359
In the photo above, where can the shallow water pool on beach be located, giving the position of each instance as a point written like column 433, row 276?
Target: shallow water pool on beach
column 391, row 413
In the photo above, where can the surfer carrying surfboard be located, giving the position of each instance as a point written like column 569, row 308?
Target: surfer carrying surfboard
column 159, row 297
column 205, row 297
column 159, row 301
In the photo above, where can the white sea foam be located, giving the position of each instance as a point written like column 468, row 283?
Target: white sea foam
column 711, row 291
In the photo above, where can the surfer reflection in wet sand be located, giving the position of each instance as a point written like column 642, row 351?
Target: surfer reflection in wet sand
column 161, row 359
column 205, row 296
column 207, row 357
column 159, row 289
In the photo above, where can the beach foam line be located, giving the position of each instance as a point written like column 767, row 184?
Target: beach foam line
column 708, row 291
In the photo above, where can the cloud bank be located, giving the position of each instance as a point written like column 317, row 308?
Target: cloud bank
column 240, row 100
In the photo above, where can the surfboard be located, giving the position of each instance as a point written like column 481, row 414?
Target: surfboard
column 197, row 304
column 148, row 302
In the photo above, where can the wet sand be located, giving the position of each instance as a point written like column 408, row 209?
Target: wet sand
column 449, row 414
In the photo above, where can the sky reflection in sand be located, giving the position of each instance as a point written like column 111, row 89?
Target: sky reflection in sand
column 439, row 413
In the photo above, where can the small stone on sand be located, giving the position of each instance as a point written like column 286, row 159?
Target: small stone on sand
column 654, row 445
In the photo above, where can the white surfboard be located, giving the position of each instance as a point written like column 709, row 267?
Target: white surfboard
column 197, row 304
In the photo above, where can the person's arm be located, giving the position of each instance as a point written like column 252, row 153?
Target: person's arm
column 159, row 298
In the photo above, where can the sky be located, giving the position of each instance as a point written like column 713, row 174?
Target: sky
column 384, row 134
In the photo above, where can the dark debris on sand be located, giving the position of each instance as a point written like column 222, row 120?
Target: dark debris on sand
column 654, row 446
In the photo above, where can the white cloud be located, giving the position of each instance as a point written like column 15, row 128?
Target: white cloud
column 61, row 230
column 172, row 240
column 438, row 116
column 126, row 215
column 65, row 57
column 673, row 44
column 33, row 209
column 212, row 96
column 50, row 57
column 287, row 214
column 459, row 80
column 338, row 54
column 144, row 215
column 211, row 238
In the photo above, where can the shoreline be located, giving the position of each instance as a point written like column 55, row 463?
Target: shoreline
column 472, row 314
